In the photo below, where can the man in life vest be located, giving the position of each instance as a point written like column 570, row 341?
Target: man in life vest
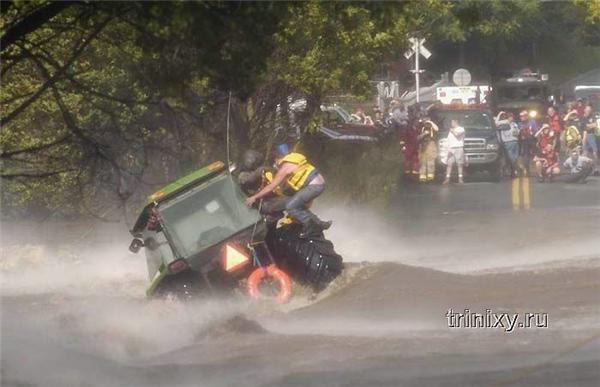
column 427, row 150
column 303, row 182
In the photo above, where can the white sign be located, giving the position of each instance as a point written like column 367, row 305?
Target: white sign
column 466, row 95
column 417, row 45
column 461, row 77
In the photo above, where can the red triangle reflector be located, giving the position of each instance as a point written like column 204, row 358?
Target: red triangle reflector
column 234, row 259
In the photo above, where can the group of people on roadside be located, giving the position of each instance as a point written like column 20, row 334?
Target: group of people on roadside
column 528, row 142
column 418, row 135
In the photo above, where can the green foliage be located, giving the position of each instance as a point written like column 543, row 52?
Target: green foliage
column 361, row 173
column 592, row 9
column 496, row 18
column 101, row 100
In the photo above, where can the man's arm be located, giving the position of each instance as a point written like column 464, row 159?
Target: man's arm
column 538, row 133
column 433, row 125
column 569, row 115
column 250, row 177
column 497, row 118
column 458, row 133
column 281, row 175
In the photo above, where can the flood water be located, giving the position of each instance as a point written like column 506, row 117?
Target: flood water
column 74, row 311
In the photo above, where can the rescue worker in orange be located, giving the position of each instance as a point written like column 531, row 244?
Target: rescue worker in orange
column 427, row 150
column 409, row 141
column 546, row 160
column 304, row 183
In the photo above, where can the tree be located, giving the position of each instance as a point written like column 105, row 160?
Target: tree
column 100, row 97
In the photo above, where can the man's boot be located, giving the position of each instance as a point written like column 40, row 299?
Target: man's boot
column 322, row 224
column 310, row 229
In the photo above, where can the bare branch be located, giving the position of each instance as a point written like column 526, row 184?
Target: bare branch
column 34, row 175
column 35, row 148
column 57, row 75
column 32, row 22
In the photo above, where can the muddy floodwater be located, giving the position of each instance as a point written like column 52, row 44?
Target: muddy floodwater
column 74, row 311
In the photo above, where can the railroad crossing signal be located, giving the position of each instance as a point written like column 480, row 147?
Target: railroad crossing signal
column 417, row 49
column 416, row 45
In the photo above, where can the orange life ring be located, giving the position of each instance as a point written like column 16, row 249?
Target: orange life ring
column 285, row 284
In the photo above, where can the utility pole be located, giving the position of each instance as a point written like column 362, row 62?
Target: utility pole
column 417, row 70
column 417, row 48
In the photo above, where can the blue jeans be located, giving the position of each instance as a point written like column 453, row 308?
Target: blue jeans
column 296, row 206
column 512, row 151
column 590, row 145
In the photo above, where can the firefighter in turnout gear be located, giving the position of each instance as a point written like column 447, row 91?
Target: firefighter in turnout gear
column 427, row 150
column 410, row 149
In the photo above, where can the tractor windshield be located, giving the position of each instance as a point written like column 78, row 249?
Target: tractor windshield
column 206, row 215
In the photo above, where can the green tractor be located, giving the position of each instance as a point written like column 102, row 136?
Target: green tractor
column 201, row 238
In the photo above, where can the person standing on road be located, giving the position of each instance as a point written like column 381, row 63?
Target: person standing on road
column 399, row 114
column 546, row 159
column 427, row 150
column 509, row 133
column 588, row 126
column 572, row 133
column 557, row 125
column 579, row 167
column 554, row 120
column 527, row 130
column 456, row 154
column 580, row 107
column 409, row 143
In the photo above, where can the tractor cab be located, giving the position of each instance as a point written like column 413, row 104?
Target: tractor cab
column 186, row 224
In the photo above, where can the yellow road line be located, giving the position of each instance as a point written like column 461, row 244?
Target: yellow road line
column 526, row 197
column 516, row 197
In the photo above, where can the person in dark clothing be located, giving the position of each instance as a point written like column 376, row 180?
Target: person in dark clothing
column 527, row 142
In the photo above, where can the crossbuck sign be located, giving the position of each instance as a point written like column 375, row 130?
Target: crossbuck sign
column 417, row 48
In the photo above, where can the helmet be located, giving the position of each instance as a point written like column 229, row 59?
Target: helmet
column 282, row 149
column 251, row 160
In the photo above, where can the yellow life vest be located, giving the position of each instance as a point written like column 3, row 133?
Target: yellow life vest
column 297, row 179
column 268, row 176
column 572, row 136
